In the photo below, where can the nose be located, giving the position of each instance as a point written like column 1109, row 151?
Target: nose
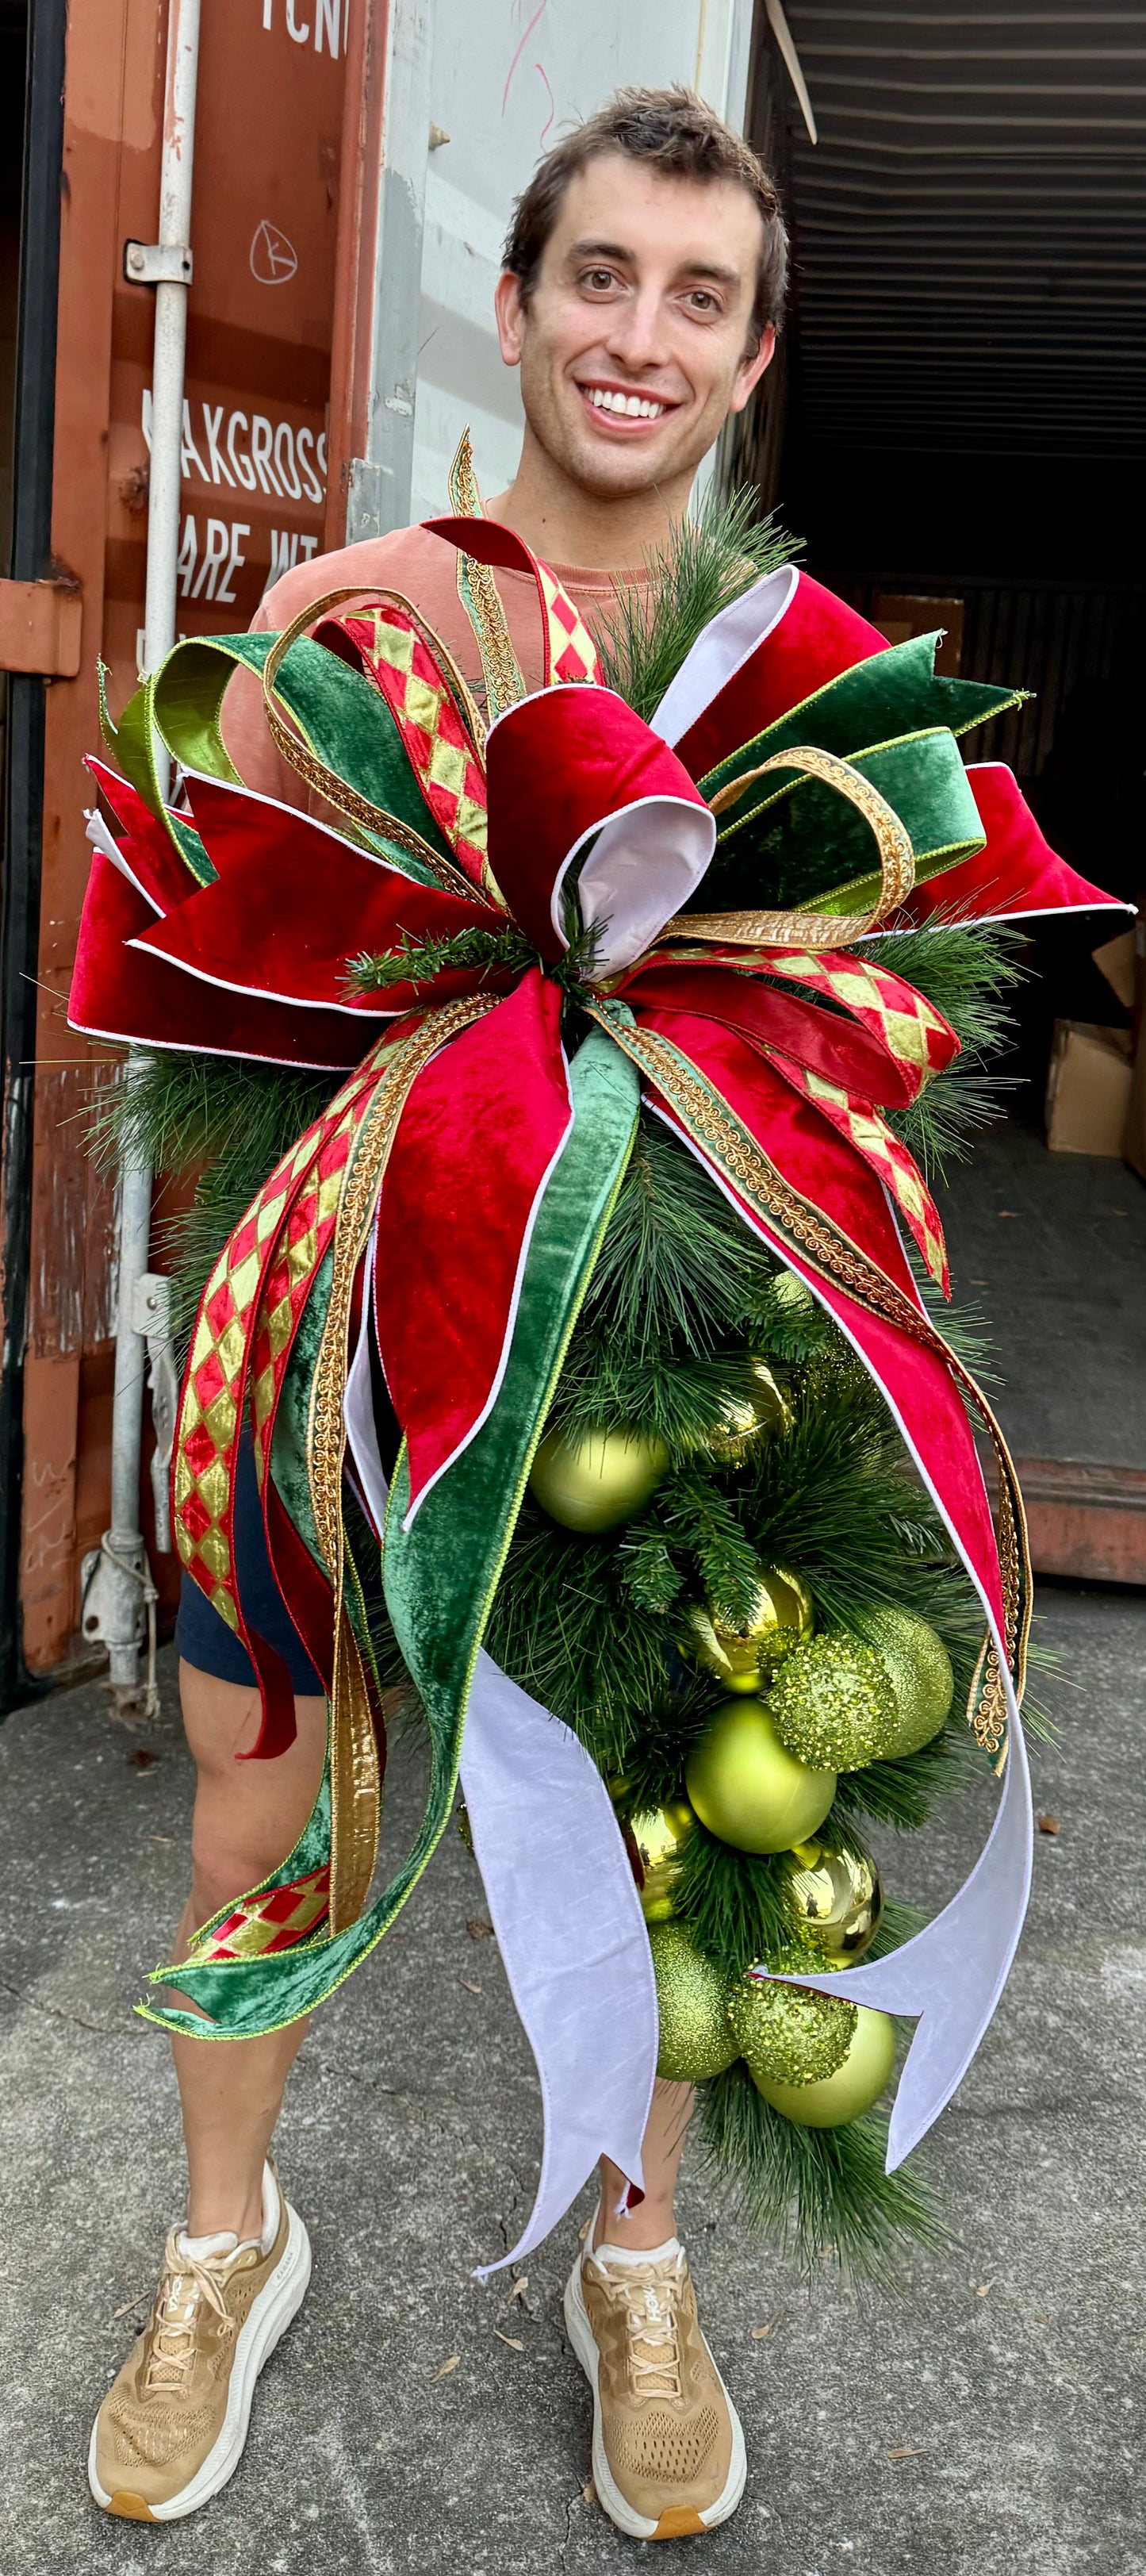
column 637, row 336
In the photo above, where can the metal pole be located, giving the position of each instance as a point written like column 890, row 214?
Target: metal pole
column 33, row 419
column 122, row 1584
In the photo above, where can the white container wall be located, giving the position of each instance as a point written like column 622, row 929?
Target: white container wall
column 476, row 90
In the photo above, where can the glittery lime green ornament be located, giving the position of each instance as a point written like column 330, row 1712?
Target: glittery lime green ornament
column 833, row 1705
column 788, row 2034
column 696, row 2038
column 918, row 1667
column 855, row 2086
column 596, row 1482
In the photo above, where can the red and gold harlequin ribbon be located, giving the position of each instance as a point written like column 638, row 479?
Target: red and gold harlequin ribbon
column 441, row 748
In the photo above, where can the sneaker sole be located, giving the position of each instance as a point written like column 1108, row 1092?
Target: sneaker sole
column 271, row 2314
column 677, row 2521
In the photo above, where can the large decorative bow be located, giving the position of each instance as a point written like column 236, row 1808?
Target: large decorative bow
column 451, row 1200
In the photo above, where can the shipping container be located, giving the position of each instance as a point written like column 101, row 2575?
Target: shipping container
column 354, row 171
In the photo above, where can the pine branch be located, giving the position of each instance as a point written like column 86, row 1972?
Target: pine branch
column 704, row 564
column 417, row 961
column 816, row 2191
column 733, row 1903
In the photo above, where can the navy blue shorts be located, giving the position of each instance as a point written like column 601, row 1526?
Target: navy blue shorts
column 204, row 1639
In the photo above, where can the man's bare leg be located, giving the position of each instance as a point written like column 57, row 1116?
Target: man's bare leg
column 248, row 1815
column 652, row 2222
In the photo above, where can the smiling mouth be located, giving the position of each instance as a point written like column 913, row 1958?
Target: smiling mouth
column 633, row 410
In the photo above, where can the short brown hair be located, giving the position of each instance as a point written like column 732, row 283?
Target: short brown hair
column 674, row 131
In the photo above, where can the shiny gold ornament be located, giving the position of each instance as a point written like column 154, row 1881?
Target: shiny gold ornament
column 742, row 1656
column 747, row 1788
column 864, row 2075
column 748, row 1418
column 833, row 1703
column 697, row 2040
column 660, row 1834
column 789, row 2034
column 919, row 1668
column 595, row 1482
column 835, row 1899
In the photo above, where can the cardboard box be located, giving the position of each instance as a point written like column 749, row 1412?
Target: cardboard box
column 1115, row 960
column 1088, row 1089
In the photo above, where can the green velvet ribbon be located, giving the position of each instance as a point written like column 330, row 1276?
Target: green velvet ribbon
column 877, row 701
column 440, row 1576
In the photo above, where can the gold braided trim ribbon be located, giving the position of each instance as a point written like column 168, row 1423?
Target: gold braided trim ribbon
column 354, row 1775
column 713, row 1124
column 812, row 929
column 326, row 782
column 480, row 596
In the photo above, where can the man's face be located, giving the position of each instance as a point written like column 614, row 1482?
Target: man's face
column 632, row 345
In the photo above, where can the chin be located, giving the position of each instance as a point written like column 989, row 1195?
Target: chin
column 613, row 472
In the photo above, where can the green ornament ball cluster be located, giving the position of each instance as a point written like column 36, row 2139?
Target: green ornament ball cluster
column 815, row 2059
column 833, row 1705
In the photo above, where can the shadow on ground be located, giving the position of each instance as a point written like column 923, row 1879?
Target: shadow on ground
column 989, row 2419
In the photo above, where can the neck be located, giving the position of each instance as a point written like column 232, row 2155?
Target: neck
column 563, row 523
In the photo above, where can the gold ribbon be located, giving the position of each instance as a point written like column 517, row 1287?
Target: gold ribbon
column 354, row 1774
column 326, row 782
column 812, row 929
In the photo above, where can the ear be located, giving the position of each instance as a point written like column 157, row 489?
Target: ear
column 751, row 369
column 509, row 314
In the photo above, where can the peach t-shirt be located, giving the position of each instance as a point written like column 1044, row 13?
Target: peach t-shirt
column 424, row 569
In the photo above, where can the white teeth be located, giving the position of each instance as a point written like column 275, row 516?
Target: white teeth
column 633, row 406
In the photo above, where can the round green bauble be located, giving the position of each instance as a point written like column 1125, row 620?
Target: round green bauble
column 596, row 1481
column 835, row 1899
column 833, row 1702
column 742, row 1653
column 747, row 1788
column 696, row 2039
column 918, row 1667
column 659, row 1834
column 864, row 2075
column 788, row 2034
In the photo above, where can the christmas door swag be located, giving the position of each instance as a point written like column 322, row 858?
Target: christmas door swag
column 541, row 1038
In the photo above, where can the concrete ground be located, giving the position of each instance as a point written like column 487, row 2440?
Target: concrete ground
column 990, row 2418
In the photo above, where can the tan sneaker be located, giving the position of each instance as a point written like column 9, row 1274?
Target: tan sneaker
column 668, row 2451
column 173, row 2424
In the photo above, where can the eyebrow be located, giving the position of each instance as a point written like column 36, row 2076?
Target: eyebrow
column 689, row 268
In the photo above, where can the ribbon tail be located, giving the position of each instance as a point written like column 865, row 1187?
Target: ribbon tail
column 949, row 1978
column 572, row 1937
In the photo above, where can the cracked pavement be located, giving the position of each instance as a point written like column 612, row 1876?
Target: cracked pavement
column 987, row 2418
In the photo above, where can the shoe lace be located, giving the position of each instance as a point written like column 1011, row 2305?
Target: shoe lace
column 187, row 2281
column 650, row 2300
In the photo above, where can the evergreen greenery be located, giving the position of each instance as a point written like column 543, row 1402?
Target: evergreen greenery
column 683, row 1300
column 816, row 2191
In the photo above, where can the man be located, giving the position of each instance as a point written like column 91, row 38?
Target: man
column 643, row 281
